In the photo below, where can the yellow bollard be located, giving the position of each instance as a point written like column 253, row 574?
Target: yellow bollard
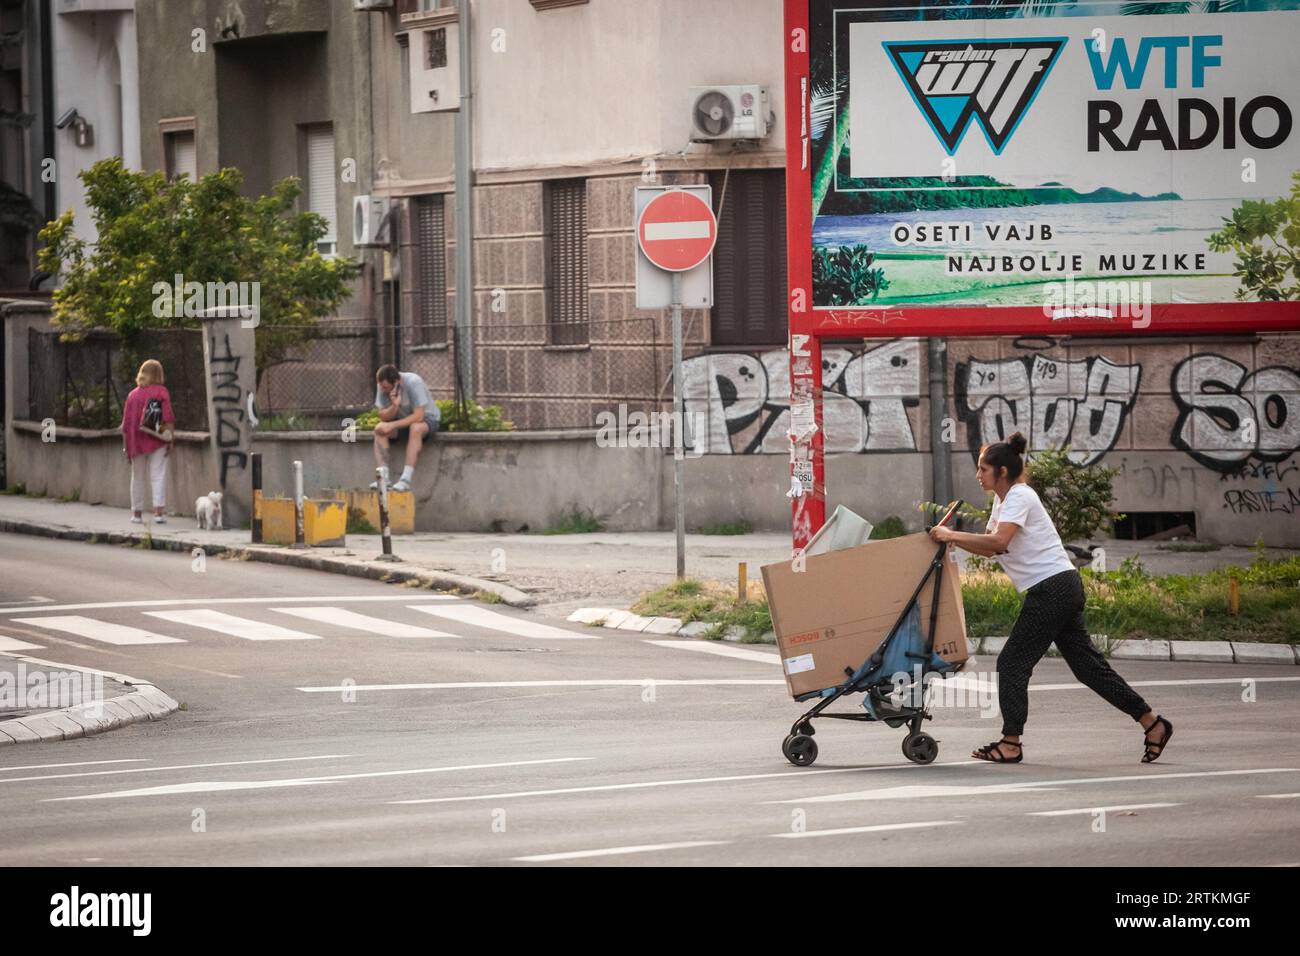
column 1234, row 597
column 742, row 583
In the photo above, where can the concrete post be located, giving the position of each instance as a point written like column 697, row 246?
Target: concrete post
column 230, row 368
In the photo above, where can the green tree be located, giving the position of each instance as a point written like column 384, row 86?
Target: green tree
column 152, row 229
column 1265, row 235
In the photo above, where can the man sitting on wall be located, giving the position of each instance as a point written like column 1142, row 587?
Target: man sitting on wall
column 405, row 411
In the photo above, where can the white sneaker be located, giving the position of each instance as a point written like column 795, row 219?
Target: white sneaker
column 374, row 485
column 136, row 519
column 159, row 519
column 400, row 485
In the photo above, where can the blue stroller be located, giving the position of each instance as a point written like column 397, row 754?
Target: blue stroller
column 905, row 650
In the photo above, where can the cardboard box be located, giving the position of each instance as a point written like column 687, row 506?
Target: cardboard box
column 837, row 611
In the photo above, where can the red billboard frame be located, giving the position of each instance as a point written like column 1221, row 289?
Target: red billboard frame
column 808, row 326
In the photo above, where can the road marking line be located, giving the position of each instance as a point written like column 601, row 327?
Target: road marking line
column 1172, row 683
column 241, row 627
column 220, row 785
column 908, row 793
column 671, row 783
column 78, row 763
column 878, row 828
column 615, row 851
column 13, row 644
column 722, row 650
column 176, row 602
column 100, row 631
column 183, row 766
column 376, row 626
column 1261, row 796
column 467, row 685
column 495, row 621
column 1130, row 806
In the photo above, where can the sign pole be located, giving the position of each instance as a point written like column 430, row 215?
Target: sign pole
column 679, row 425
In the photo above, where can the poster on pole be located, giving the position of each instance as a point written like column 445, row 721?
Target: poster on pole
column 1083, row 168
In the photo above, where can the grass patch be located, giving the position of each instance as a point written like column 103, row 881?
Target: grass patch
column 1191, row 546
column 575, row 522
column 75, row 495
column 711, row 602
column 488, row 597
column 17, row 488
column 1126, row 604
column 736, row 527
column 891, row 527
column 1131, row 603
column 35, row 494
column 283, row 423
column 357, row 524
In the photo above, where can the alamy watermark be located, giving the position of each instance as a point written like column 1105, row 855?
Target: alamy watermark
column 1098, row 300
column 194, row 299
column 623, row 429
column 25, row 689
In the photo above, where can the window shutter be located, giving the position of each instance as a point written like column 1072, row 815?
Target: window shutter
column 749, row 268
column 320, row 178
column 184, row 155
column 431, row 268
column 567, row 219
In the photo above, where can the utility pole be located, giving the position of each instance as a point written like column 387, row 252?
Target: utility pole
column 464, row 183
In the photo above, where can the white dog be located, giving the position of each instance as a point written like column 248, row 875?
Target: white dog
column 207, row 510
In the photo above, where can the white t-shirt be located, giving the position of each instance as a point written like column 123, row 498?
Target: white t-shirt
column 1036, row 552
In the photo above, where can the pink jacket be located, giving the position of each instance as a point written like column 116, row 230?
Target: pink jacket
column 138, row 442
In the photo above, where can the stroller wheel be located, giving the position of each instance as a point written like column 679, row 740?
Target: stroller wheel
column 920, row 748
column 799, row 749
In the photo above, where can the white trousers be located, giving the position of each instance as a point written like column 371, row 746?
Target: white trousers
column 150, row 469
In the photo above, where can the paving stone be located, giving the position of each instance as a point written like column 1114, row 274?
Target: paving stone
column 1216, row 652
column 1254, row 653
column 1141, row 651
column 663, row 625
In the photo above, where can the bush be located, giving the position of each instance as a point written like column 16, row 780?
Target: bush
column 891, row 527
column 846, row 276
column 1077, row 498
column 454, row 417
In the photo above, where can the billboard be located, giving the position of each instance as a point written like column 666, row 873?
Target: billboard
column 1049, row 168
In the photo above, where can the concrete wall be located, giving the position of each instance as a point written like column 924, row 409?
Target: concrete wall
column 96, row 72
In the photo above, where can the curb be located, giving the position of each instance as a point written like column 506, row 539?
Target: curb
column 1218, row 652
column 618, row 619
column 437, row 580
column 147, row 702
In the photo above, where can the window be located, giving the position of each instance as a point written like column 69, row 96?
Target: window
column 749, row 304
column 430, row 270
column 435, row 48
column 180, row 156
column 566, row 261
column 320, row 182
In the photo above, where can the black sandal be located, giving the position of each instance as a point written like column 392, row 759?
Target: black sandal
column 993, row 752
column 1155, row 748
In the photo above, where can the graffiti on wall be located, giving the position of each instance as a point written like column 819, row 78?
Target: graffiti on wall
column 231, row 430
column 1228, row 414
column 745, row 399
column 1082, row 403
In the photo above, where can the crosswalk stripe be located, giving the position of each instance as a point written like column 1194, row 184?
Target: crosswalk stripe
column 176, row 602
column 722, row 650
column 13, row 644
column 1082, row 810
column 616, row 851
column 100, row 631
column 875, row 828
column 235, row 626
column 491, row 620
column 341, row 617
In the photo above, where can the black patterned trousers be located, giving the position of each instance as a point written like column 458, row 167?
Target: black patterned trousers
column 1053, row 612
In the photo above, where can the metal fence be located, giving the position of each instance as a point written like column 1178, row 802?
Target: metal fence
column 83, row 383
column 314, row 383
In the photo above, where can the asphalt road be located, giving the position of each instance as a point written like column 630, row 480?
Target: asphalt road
column 297, row 748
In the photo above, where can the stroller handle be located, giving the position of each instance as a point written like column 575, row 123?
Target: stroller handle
column 950, row 513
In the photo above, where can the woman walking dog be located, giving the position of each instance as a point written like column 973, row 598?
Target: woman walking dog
column 1024, row 540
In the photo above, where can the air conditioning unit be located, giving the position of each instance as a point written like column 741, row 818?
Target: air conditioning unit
column 370, row 220
column 729, row 112
column 434, row 55
column 362, row 6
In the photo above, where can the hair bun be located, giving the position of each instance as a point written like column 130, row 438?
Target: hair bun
column 1018, row 443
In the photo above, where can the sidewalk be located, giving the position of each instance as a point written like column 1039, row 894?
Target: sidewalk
column 556, row 573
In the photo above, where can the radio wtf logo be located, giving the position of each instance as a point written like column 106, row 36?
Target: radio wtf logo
column 990, row 81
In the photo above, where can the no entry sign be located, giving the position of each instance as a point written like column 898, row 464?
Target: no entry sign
column 677, row 230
